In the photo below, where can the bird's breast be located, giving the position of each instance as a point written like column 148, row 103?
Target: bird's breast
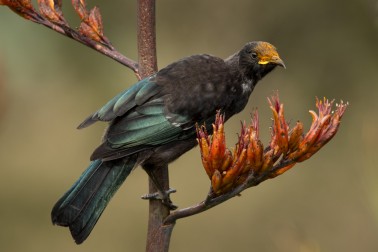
column 247, row 87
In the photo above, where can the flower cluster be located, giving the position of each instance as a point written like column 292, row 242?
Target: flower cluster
column 249, row 160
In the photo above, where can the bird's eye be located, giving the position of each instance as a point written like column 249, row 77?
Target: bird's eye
column 254, row 55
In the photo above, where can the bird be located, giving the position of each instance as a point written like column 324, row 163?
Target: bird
column 154, row 122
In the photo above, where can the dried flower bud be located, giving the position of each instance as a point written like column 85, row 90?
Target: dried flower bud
column 80, row 8
column 24, row 8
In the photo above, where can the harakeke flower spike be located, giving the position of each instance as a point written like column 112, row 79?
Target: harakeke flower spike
column 249, row 163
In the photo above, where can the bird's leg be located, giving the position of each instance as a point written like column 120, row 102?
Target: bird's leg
column 161, row 194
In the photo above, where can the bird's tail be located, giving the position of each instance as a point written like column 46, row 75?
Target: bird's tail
column 81, row 207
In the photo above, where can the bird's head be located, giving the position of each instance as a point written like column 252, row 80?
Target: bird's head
column 258, row 58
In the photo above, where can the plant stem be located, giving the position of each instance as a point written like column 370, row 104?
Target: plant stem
column 158, row 235
column 212, row 200
column 146, row 37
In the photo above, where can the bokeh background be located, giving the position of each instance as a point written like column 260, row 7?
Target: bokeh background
column 49, row 84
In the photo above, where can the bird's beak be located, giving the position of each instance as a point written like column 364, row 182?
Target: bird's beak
column 278, row 62
column 274, row 60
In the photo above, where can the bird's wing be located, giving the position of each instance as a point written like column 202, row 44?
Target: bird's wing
column 145, row 127
column 138, row 94
column 137, row 119
column 145, row 116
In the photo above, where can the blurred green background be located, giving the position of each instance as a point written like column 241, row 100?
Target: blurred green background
column 49, row 84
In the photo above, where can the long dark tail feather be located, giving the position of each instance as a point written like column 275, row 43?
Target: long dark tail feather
column 82, row 205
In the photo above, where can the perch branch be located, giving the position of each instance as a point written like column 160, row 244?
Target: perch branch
column 158, row 235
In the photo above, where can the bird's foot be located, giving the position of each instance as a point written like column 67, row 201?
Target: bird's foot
column 163, row 196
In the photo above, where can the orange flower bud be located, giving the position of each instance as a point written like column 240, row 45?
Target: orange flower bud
column 279, row 140
column 255, row 152
column 227, row 160
column 217, row 146
column 205, row 155
column 296, row 136
column 216, row 181
column 232, row 174
column 203, row 142
column 268, row 161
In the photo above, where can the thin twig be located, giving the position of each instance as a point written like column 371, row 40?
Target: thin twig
column 61, row 26
column 75, row 35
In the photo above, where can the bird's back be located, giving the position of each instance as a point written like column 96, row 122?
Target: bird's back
column 164, row 108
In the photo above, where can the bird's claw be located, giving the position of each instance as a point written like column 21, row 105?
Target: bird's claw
column 159, row 195
column 163, row 196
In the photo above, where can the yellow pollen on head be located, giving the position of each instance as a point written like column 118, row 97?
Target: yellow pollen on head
column 266, row 52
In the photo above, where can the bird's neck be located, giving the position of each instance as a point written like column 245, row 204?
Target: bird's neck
column 247, row 81
column 245, row 75
column 233, row 62
column 243, row 85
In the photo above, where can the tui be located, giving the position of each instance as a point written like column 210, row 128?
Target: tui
column 153, row 123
